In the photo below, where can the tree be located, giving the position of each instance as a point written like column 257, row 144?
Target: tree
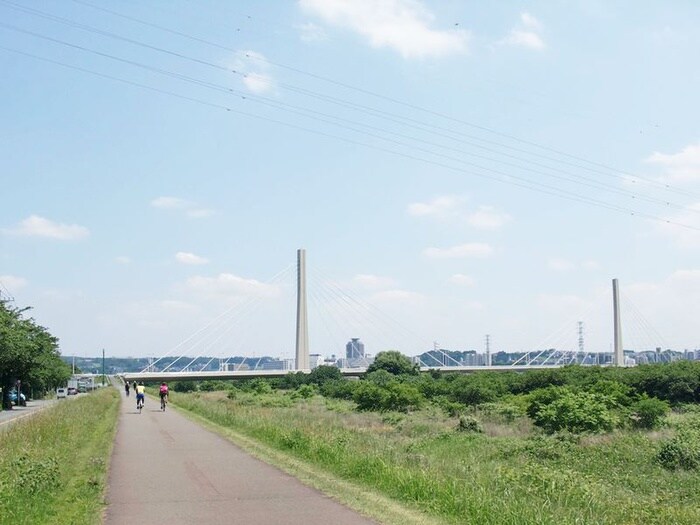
column 28, row 352
column 393, row 362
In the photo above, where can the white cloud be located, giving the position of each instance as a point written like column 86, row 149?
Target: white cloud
column 453, row 208
column 189, row 208
column 681, row 167
column 12, row 282
column 462, row 251
column 122, row 259
column 462, row 280
column 310, row 32
column 36, row 226
column 190, row 258
column 229, row 285
column 254, row 69
column 170, row 203
column 398, row 296
column 373, row 281
column 560, row 265
column 590, row 264
column 402, row 25
column 526, row 34
column 488, row 218
column 257, row 82
column 668, row 309
column 443, row 207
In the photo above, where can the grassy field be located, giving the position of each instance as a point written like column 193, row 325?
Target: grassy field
column 508, row 474
column 53, row 464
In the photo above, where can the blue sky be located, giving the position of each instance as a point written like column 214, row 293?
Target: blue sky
column 453, row 170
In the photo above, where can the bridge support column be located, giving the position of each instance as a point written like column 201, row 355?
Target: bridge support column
column 302, row 346
column 619, row 356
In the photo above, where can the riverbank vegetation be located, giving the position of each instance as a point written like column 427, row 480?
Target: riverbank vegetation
column 572, row 445
column 54, row 463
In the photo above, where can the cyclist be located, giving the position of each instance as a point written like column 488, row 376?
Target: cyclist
column 163, row 395
column 140, row 395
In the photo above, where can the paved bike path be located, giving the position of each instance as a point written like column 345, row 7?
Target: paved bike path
column 168, row 470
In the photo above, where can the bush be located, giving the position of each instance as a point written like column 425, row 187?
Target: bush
column 682, row 451
column 649, row 412
column 184, row 386
column 369, row 396
column 542, row 397
column 469, row 424
column 393, row 362
column 339, row 389
column 395, row 396
column 260, row 386
column 506, row 411
column 305, row 391
column 323, row 374
column 576, row 412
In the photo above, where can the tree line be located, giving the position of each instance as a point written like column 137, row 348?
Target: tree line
column 29, row 355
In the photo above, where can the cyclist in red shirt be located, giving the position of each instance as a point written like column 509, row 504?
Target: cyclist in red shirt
column 163, row 395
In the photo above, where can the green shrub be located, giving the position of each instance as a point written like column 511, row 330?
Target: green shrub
column 469, row 424
column 305, row 391
column 576, row 412
column 451, row 408
column 339, row 389
column 542, row 397
column 393, row 362
column 184, row 386
column 260, row 386
column 681, row 451
column 648, row 412
column 396, row 396
column 506, row 411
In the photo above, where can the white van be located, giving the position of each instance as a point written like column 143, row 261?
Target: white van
column 61, row 392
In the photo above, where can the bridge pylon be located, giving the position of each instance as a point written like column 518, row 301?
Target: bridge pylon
column 302, row 343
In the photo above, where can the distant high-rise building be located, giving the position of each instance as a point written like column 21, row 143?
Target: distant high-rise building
column 355, row 349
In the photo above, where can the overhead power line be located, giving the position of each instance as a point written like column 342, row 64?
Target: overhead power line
column 384, row 97
column 505, row 178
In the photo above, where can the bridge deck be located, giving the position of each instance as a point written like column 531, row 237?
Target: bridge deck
column 348, row 372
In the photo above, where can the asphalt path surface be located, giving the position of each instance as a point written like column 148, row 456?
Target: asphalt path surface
column 168, row 470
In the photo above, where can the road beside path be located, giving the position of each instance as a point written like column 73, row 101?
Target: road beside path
column 10, row 416
column 166, row 469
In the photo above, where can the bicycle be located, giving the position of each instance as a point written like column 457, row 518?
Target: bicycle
column 163, row 402
column 139, row 404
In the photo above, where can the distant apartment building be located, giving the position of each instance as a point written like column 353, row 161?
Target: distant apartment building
column 355, row 349
column 315, row 360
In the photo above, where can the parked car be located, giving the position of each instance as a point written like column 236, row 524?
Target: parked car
column 72, row 391
column 61, row 393
column 22, row 398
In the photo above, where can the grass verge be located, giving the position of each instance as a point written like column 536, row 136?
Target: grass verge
column 53, row 465
column 420, row 463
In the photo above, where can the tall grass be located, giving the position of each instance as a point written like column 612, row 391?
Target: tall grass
column 423, row 461
column 53, row 464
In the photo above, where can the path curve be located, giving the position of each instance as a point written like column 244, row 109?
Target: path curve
column 166, row 469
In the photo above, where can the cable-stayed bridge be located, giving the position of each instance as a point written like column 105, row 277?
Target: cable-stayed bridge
column 333, row 307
